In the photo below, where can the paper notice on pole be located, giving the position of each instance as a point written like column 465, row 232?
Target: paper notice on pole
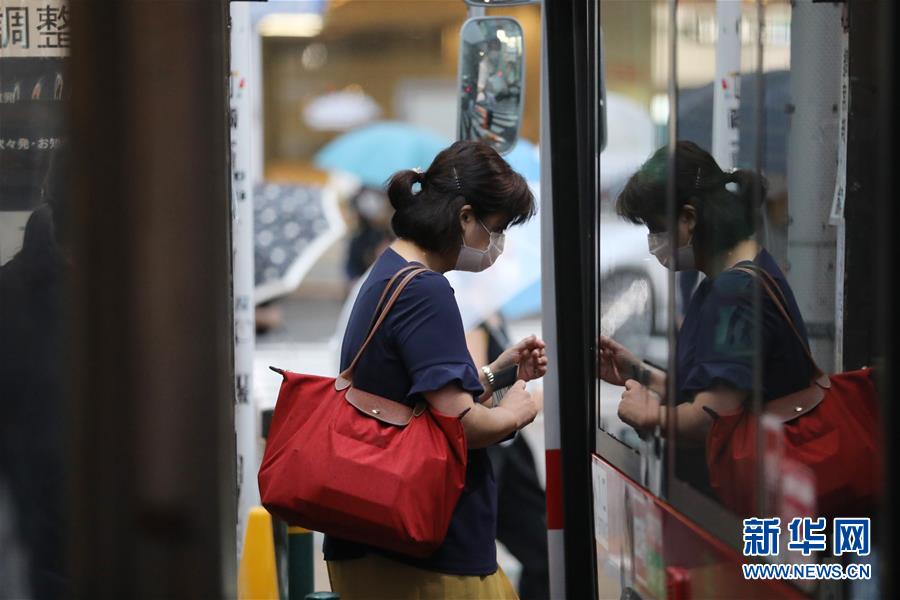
column 245, row 410
column 840, row 187
column 726, row 88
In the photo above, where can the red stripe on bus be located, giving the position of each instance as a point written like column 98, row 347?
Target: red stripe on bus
column 554, row 489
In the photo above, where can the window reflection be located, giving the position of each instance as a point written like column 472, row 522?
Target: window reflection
column 34, row 262
column 632, row 286
column 753, row 402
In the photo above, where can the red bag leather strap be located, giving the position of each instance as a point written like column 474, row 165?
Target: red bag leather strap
column 768, row 283
column 347, row 375
column 384, row 293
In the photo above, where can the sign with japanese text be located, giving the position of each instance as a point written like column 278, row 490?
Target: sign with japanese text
column 33, row 92
column 34, row 46
column 34, row 28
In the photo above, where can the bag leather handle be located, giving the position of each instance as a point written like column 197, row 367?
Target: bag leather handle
column 345, row 379
column 384, row 294
column 780, row 301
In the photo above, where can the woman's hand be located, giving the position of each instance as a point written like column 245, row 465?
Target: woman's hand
column 529, row 354
column 639, row 407
column 523, row 406
column 615, row 361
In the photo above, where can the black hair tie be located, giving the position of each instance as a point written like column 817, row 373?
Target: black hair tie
column 732, row 181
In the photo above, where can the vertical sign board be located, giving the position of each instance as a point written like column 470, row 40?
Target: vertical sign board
column 245, row 420
column 726, row 88
column 34, row 44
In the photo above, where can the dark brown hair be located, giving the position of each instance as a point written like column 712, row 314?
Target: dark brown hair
column 726, row 214
column 465, row 173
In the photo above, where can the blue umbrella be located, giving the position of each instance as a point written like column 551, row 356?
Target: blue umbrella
column 524, row 304
column 375, row 152
column 523, row 158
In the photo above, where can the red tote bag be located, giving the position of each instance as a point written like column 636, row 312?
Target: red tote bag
column 361, row 467
column 830, row 428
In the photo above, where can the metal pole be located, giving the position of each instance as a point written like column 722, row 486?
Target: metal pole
column 257, row 124
column 245, row 419
column 812, row 164
column 552, row 437
column 151, row 428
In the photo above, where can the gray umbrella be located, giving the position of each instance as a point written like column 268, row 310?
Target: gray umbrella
column 293, row 226
column 695, row 119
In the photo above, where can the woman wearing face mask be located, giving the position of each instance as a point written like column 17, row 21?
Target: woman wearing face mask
column 717, row 216
column 450, row 217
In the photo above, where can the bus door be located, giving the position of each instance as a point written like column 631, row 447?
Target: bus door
column 758, row 96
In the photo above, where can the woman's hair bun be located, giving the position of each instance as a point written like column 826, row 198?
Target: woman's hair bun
column 749, row 185
column 400, row 187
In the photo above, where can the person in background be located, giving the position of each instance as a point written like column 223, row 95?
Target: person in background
column 487, row 87
column 372, row 234
column 32, row 384
column 522, row 524
column 465, row 200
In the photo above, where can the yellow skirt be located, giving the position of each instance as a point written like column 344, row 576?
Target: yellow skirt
column 375, row 577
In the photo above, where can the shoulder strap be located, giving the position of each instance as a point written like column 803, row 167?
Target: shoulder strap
column 347, row 375
column 768, row 283
column 384, row 293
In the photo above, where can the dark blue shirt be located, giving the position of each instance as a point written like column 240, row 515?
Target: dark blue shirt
column 421, row 347
column 715, row 343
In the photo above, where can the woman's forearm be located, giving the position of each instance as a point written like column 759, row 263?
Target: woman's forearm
column 693, row 420
column 691, row 423
column 486, row 426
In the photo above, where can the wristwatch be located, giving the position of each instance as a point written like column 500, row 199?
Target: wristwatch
column 489, row 375
column 641, row 374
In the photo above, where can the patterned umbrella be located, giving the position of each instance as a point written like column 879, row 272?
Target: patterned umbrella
column 293, row 226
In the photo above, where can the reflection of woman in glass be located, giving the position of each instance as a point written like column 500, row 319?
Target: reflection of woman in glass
column 717, row 215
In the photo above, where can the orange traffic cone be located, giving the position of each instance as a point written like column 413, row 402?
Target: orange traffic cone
column 257, row 577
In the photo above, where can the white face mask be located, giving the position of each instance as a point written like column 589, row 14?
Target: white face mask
column 475, row 260
column 660, row 247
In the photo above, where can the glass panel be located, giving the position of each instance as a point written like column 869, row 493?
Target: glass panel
column 756, row 221
column 34, row 264
column 633, row 287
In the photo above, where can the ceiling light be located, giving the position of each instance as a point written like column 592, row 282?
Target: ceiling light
column 290, row 25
